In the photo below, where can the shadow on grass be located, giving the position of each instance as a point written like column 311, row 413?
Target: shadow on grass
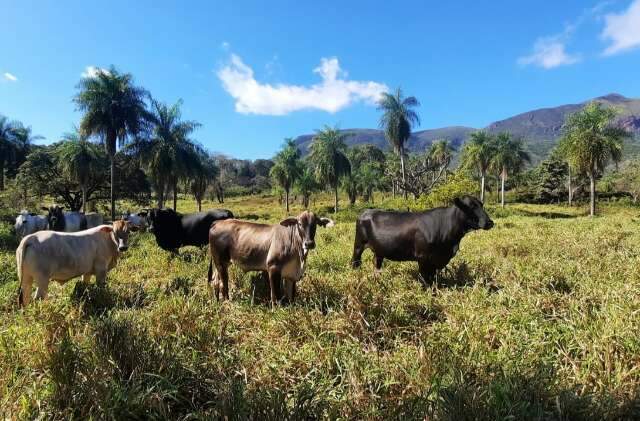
column 541, row 214
column 8, row 241
column 95, row 300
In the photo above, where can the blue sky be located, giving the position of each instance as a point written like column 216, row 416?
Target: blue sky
column 255, row 72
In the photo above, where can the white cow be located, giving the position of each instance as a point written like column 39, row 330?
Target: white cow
column 136, row 219
column 28, row 223
column 60, row 256
column 94, row 219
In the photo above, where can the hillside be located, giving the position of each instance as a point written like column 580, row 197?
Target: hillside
column 540, row 128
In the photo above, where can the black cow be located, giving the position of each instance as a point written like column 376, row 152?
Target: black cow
column 174, row 230
column 430, row 238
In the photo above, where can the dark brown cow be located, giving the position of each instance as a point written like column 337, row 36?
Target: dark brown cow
column 280, row 250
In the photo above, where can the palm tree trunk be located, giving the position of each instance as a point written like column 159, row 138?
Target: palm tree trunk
column 286, row 199
column 84, row 199
column 113, row 187
column 404, row 174
column 592, row 204
column 482, row 187
column 335, row 192
column 502, row 178
column 570, row 189
column 199, row 205
column 175, row 195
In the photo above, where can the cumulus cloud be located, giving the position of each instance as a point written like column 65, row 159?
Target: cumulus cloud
column 332, row 94
column 8, row 76
column 92, row 71
column 622, row 30
column 549, row 52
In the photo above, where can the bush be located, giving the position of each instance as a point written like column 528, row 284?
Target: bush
column 458, row 184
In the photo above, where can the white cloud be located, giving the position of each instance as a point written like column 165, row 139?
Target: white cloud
column 332, row 94
column 622, row 29
column 92, row 71
column 11, row 78
column 549, row 52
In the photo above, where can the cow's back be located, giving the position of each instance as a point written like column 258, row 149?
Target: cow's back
column 62, row 256
column 195, row 226
column 247, row 244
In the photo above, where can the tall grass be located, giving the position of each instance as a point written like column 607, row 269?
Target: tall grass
column 535, row 319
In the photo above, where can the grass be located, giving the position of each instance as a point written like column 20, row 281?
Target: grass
column 535, row 319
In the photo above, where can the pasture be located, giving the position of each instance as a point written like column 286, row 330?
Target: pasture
column 537, row 318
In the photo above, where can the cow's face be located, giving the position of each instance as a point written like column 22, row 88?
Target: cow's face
column 306, row 224
column 21, row 225
column 55, row 217
column 475, row 216
column 121, row 230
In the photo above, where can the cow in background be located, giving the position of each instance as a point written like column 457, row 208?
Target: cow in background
column 136, row 219
column 94, row 219
column 174, row 230
column 58, row 220
column 28, row 223
column 59, row 256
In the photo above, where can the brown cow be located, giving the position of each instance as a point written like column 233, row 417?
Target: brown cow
column 49, row 255
column 280, row 250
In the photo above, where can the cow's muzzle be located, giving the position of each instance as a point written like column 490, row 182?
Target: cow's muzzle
column 123, row 248
column 488, row 225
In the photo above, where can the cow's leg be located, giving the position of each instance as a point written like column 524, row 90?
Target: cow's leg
column 86, row 277
column 101, row 277
column 378, row 263
column 427, row 271
column 290, row 290
column 24, row 296
column 275, row 277
column 359, row 244
column 223, row 274
column 42, row 282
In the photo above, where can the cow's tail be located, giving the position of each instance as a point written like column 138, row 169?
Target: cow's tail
column 210, row 275
column 22, row 249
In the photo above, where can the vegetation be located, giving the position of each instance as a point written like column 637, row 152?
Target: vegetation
column 591, row 141
column 328, row 157
column 509, row 156
column 287, row 168
column 478, row 153
column 114, row 111
column 398, row 117
column 536, row 318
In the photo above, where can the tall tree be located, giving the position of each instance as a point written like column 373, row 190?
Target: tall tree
column 441, row 153
column 8, row 144
column 168, row 153
column 203, row 175
column 114, row 110
column 328, row 158
column 307, row 184
column 397, row 120
column 590, row 141
column 287, row 168
column 80, row 160
column 509, row 156
column 477, row 153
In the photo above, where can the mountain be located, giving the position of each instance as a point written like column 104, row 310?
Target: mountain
column 540, row 128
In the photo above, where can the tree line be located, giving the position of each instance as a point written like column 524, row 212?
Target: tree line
column 129, row 143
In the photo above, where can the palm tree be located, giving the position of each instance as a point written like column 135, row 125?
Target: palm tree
column 287, row 168
column 79, row 159
column 204, row 173
column 509, row 156
column 8, row 144
column 306, row 185
column 328, row 158
column 441, row 153
column 590, row 141
column 477, row 153
column 168, row 154
column 114, row 110
column 397, row 119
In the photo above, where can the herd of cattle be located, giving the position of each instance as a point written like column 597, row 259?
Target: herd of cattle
column 60, row 245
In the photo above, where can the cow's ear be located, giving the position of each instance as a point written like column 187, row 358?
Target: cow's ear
column 106, row 228
column 289, row 222
column 142, row 213
column 326, row 222
column 459, row 203
column 44, row 208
